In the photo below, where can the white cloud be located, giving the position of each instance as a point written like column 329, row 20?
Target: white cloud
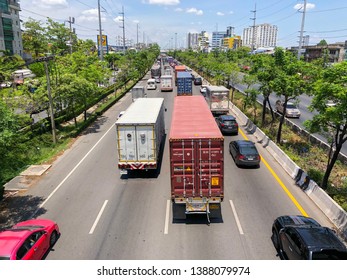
column 118, row 19
column 220, row 14
column 178, row 10
column 161, row 2
column 90, row 16
column 136, row 21
column 309, row 6
column 195, row 11
column 51, row 4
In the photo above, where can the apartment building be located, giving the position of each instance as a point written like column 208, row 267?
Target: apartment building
column 262, row 35
column 10, row 29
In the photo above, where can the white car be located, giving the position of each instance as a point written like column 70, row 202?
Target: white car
column 151, row 84
column 292, row 110
column 203, row 89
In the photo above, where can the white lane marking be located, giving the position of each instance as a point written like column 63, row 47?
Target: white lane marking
column 167, row 217
column 98, row 217
column 73, row 170
column 236, row 217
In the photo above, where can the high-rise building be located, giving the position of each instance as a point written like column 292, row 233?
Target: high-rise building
column 192, row 41
column 265, row 35
column 10, row 30
column 217, row 39
column 203, row 41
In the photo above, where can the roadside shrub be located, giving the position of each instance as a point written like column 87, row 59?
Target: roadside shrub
column 315, row 175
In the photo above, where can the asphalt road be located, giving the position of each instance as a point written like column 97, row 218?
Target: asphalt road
column 103, row 216
column 306, row 114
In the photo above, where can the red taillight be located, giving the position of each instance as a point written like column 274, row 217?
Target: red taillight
column 222, row 124
column 241, row 157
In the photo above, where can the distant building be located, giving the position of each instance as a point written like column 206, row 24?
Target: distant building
column 334, row 52
column 234, row 42
column 265, row 35
column 192, row 41
column 203, row 41
column 306, row 40
column 217, row 39
column 10, row 30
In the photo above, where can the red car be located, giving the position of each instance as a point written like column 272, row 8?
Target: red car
column 28, row 240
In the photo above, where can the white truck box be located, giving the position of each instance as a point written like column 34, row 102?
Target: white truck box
column 140, row 133
column 138, row 92
column 166, row 83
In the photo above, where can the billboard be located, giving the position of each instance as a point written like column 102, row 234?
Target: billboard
column 103, row 43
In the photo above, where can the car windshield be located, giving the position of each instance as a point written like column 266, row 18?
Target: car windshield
column 248, row 150
column 291, row 106
column 229, row 122
column 329, row 255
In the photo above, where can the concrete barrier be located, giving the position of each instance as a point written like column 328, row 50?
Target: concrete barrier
column 336, row 214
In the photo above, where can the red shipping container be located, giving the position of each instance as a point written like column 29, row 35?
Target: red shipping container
column 196, row 155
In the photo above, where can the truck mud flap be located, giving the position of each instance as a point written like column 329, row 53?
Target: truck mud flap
column 215, row 211
column 178, row 211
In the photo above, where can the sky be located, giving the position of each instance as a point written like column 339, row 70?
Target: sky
column 167, row 22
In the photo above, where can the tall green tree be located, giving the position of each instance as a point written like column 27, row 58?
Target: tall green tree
column 331, row 86
column 289, row 81
column 34, row 38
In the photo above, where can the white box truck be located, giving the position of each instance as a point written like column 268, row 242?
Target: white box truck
column 166, row 83
column 140, row 135
column 138, row 92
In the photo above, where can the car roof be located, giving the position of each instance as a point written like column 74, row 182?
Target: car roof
column 244, row 143
column 297, row 220
column 9, row 240
column 227, row 117
column 320, row 237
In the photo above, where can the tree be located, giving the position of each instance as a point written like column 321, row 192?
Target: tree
column 34, row 38
column 58, row 35
column 322, row 43
column 264, row 69
column 289, row 82
column 8, row 137
column 331, row 86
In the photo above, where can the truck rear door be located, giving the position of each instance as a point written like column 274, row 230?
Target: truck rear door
column 127, row 143
column 145, row 138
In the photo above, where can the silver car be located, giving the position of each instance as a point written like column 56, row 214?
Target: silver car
column 292, row 110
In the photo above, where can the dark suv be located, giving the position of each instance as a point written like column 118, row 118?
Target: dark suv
column 227, row 124
column 303, row 238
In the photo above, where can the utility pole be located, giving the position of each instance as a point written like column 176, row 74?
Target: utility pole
column 71, row 21
column 137, row 36
column 122, row 13
column 175, row 41
column 253, row 26
column 101, row 50
column 302, row 30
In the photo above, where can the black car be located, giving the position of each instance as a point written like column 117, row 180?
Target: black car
column 198, row 81
column 227, row 124
column 302, row 238
column 244, row 152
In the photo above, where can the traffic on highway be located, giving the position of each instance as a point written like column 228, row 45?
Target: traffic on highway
column 171, row 184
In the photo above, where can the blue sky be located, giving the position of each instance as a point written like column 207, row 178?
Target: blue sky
column 167, row 22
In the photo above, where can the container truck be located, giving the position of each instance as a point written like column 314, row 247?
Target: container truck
column 217, row 98
column 166, row 83
column 196, row 158
column 140, row 133
column 156, row 71
column 138, row 92
column 184, row 83
column 179, row 68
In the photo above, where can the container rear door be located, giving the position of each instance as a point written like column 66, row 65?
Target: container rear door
column 126, row 137
column 197, row 168
column 145, row 138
